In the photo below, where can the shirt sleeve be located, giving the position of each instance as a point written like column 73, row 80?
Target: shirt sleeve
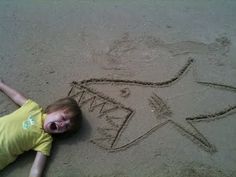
column 44, row 144
column 30, row 105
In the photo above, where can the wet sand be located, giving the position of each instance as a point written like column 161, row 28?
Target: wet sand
column 155, row 81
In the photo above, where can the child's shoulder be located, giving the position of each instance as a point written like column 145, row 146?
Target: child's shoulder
column 30, row 105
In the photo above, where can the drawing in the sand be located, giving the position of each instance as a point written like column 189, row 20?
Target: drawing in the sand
column 115, row 116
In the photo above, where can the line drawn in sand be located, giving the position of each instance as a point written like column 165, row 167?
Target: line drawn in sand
column 117, row 115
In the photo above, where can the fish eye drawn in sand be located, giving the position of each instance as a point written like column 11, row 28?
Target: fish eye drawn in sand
column 115, row 116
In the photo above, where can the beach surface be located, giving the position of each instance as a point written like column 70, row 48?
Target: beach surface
column 155, row 79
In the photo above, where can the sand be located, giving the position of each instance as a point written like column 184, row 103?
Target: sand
column 155, row 81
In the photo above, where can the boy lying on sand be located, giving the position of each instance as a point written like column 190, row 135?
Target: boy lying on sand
column 29, row 127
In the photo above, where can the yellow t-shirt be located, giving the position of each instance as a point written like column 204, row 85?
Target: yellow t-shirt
column 21, row 131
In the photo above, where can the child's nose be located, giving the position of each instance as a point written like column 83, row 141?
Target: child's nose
column 62, row 124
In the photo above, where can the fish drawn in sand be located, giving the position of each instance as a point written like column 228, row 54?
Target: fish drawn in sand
column 115, row 116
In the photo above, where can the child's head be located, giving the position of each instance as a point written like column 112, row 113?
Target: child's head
column 62, row 116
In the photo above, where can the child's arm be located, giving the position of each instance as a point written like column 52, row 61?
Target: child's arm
column 38, row 165
column 13, row 94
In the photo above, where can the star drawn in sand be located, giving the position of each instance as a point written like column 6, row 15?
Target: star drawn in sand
column 114, row 116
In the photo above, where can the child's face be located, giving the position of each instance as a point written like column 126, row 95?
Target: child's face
column 57, row 122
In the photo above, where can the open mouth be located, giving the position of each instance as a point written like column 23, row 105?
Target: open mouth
column 112, row 116
column 53, row 126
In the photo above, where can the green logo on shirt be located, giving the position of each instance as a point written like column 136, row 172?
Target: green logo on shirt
column 29, row 122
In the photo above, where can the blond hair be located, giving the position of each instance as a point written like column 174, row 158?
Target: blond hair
column 70, row 105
